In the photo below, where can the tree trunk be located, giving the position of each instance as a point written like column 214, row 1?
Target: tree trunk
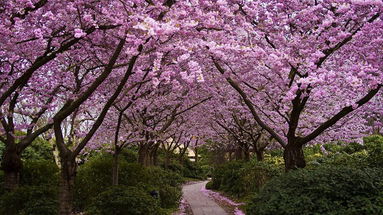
column 154, row 155
column 167, row 158
column 196, row 155
column 238, row 153
column 294, row 157
column 143, row 155
column 115, row 169
column 68, row 172
column 260, row 155
column 246, row 153
column 11, row 164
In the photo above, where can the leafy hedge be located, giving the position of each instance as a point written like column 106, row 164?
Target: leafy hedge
column 95, row 176
column 170, row 196
column 239, row 178
column 30, row 200
column 323, row 190
column 39, row 172
column 122, row 200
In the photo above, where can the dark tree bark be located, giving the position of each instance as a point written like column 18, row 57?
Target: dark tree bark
column 154, row 155
column 238, row 153
column 143, row 153
column 246, row 152
column 68, row 173
column 115, row 168
column 260, row 155
column 294, row 157
column 196, row 154
column 11, row 165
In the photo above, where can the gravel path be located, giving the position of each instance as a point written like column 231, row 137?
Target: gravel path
column 199, row 203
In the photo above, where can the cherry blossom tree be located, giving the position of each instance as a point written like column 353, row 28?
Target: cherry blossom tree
column 301, row 67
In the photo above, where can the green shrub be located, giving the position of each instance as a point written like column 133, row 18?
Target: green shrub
column 122, row 200
column 129, row 155
column 357, row 159
column 170, row 196
column 256, row 173
column 40, row 149
column 39, row 172
column 324, row 190
column 374, row 145
column 158, row 177
column 209, row 185
column 228, row 178
column 207, row 170
column 175, row 166
column 1, row 182
column 192, row 169
column 95, row 176
column 30, row 200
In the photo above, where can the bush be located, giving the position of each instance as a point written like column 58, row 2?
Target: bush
column 122, row 200
column 30, row 200
column 357, row 159
column 95, row 176
column 240, row 179
column 40, row 149
column 159, row 177
column 228, row 178
column 374, row 145
column 324, row 190
column 256, row 173
column 170, row 196
column 207, row 170
column 129, row 155
column 175, row 166
column 1, row 182
column 192, row 169
column 209, row 185
column 39, row 172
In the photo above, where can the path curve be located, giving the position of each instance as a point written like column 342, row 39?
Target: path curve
column 199, row 203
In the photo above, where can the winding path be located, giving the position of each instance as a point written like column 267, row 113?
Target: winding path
column 199, row 203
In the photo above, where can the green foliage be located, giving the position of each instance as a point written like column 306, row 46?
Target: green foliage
column 30, row 200
column 186, row 168
column 374, row 146
column 356, row 159
column 170, row 196
column 39, row 172
column 255, row 173
column 210, row 185
column 95, row 176
column 323, row 190
column 207, row 170
column 342, row 147
column 1, row 182
column 228, row 178
column 240, row 179
column 159, row 177
column 192, row 169
column 2, row 147
column 40, row 149
column 129, row 155
column 175, row 166
column 122, row 200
